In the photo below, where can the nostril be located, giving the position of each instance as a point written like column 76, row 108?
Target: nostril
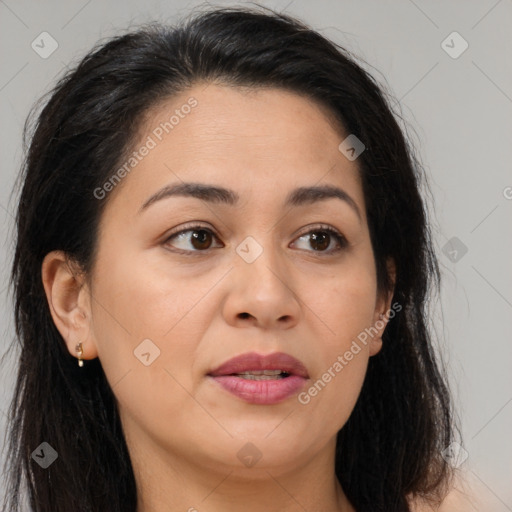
column 244, row 315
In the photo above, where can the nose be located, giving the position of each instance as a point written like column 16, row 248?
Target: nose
column 262, row 293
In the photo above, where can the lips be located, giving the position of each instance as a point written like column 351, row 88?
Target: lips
column 261, row 380
column 253, row 362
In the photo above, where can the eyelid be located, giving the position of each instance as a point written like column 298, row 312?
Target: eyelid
column 187, row 227
column 190, row 226
column 319, row 227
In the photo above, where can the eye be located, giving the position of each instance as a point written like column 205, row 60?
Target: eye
column 322, row 238
column 198, row 238
column 194, row 238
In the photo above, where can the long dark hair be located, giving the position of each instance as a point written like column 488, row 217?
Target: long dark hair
column 390, row 447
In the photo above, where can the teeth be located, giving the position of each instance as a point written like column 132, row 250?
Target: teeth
column 260, row 377
column 262, row 372
column 263, row 375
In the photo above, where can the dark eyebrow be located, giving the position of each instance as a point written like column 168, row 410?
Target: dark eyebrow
column 214, row 194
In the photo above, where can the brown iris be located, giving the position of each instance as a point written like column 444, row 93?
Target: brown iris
column 201, row 239
column 321, row 239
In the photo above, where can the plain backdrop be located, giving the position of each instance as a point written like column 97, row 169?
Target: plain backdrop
column 457, row 103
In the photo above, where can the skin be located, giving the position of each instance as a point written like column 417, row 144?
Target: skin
column 202, row 308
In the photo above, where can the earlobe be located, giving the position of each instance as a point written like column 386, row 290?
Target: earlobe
column 375, row 346
column 68, row 300
column 377, row 330
column 382, row 311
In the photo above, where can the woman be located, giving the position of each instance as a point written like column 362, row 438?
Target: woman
column 221, row 276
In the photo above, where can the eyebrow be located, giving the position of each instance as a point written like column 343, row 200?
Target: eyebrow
column 215, row 194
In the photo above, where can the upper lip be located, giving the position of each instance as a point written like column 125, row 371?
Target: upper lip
column 251, row 361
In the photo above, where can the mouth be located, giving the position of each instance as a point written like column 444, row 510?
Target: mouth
column 261, row 379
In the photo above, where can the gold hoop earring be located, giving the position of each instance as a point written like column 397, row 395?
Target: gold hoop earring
column 80, row 351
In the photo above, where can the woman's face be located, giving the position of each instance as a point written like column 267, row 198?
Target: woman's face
column 253, row 270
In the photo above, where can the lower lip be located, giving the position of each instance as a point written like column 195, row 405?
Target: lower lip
column 261, row 392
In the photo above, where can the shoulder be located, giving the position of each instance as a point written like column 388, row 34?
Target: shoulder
column 457, row 500
column 467, row 493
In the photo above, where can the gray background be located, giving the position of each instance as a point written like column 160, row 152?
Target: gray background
column 459, row 115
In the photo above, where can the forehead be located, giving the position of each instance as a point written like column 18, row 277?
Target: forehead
column 258, row 141
column 249, row 117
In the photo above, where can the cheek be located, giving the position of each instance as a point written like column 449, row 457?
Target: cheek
column 130, row 312
column 347, row 309
column 338, row 379
column 138, row 301
column 347, row 306
column 147, row 326
column 333, row 395
column 139, row 325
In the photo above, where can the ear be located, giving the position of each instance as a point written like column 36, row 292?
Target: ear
column 383, row 310
column 69, row 300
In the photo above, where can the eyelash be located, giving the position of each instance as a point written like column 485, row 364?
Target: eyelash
column 321, row 228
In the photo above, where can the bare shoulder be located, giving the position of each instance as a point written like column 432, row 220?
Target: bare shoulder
column 457, row 500
column 466, row 494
